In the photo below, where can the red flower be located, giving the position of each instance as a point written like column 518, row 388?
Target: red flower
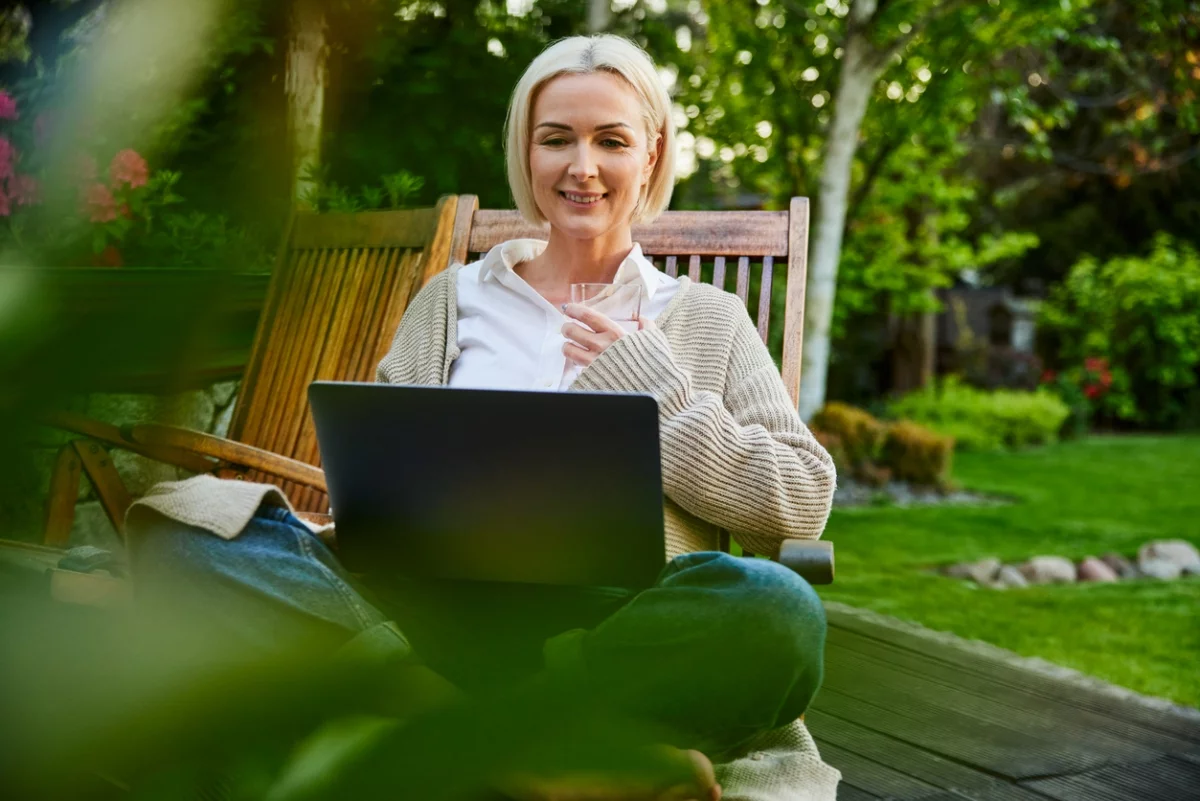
column 109, row 257
column 8, row 106
column 1106, row 379
column 99, row 204
column 1092, row 391
column 1095, row 364
column 128, row 167
column 1049, row 377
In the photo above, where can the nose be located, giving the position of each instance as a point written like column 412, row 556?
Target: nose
column 583, row 166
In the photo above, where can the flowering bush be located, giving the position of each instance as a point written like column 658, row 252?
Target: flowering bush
column 111, row 207
column 1126, row 335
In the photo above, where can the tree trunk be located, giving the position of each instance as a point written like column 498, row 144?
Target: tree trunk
column 860, row 69
column 307, row 75
column 599, row 15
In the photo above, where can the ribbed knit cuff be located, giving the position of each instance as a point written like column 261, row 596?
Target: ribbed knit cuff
column 639, row 362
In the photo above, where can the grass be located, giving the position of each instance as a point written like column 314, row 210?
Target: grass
column 1073, row 499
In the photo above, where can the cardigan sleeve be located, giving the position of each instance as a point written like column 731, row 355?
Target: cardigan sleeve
column 743, row 461
column 418, row 351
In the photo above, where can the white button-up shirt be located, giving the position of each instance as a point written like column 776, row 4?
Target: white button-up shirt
column 510, row 337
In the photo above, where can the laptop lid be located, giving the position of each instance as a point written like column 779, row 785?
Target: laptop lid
column 493, row 485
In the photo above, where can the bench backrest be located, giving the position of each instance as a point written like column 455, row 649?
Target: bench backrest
column 745, row 248
column 339, row 287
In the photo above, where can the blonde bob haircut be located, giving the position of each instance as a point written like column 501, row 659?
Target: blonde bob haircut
column 582, row 55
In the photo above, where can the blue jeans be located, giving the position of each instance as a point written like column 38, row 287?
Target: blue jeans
column 720, row 649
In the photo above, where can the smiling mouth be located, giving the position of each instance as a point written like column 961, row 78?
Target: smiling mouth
column 585, row 200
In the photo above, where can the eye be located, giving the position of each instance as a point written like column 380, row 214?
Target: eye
column 613, row 144
column 554, row 141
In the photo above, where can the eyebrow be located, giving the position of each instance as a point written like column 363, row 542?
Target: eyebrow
column 564, row 127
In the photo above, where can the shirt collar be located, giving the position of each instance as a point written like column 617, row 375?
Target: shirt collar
column 501, row 260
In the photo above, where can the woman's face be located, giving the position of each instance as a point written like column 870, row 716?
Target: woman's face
column 589, row 155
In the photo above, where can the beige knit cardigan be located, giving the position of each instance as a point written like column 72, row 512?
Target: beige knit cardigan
column 735, row 455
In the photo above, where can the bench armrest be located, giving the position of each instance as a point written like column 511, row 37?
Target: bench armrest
column 812, row 559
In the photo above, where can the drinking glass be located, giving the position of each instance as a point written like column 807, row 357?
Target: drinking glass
column 621, row 303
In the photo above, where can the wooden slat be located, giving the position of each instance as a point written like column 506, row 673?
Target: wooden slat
column 1001, row 750
column 694, row 268
column 730, row 233
column 256, row 401
column 1163, row 779
column 332, row 347
column 60, row 503
column 270, row 406
column 379, row 285
column 743, row 278
column 392, row 311
column 106, row 481
column 315, row 333
column 364, row 229
column 438, row 244
column 1012, row 676
column 859, row 738
column 672, row 266
column 764, row 299
column 878, row 780
column 464, row 216
column 1060, row 734
column 793, row 307
column 281, row 275
column 294, row 368
column 719, row 272
column 1015, row 695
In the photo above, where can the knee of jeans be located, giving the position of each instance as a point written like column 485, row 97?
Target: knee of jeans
column 780, row 604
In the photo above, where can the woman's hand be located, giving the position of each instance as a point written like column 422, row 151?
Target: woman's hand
column 584, row 345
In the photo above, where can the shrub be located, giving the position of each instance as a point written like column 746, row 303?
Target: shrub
column 918, row 455
column 980, row 420
column 1142, row 315
column 858, row 433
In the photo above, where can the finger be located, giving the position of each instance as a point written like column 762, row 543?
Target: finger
column 645, row 324
column 577, row 354
column 593, row 319
column 587, row 339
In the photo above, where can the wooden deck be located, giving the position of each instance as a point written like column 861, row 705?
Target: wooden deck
column 906, row 717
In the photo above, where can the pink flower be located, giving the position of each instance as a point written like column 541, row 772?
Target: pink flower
column 99, row 204
column 128, row 167
column 8, row 106
column 24, row 189
column 8, row 157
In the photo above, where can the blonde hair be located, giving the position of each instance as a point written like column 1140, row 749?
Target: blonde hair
column 582, row 55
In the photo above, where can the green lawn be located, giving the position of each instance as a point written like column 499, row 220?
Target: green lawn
column 1073, row 499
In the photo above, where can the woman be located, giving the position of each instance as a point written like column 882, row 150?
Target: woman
column 724, row 652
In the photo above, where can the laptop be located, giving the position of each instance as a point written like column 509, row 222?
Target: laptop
column 561, row 488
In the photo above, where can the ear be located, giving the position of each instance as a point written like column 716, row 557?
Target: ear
column 654, row 151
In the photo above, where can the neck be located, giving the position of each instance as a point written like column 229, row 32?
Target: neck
column 567, row 261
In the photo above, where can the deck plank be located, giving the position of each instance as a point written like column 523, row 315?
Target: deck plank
column 1164, row 779
column 929, row 767
column 879, row 682
column 1024, row 698
column 1014, row 676
column 913, row 718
